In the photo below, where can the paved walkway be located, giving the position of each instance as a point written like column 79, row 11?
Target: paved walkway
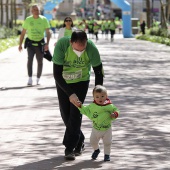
column 137, row 77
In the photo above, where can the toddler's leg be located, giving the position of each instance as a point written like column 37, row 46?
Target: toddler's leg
column 107, row 141
column 94, row 139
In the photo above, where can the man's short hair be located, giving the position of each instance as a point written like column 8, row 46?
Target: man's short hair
column 79, row 36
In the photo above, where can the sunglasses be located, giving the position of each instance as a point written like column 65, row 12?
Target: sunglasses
column 68, row 20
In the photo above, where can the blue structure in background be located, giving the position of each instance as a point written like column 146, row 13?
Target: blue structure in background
column 126, row 17
column 48, row 8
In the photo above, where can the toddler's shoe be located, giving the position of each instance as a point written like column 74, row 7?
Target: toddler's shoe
column 106, row 158
column 95, row 154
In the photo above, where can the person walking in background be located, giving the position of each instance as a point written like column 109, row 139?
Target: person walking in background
column 106, row 26
column 96, row 30
column 81, row 26
column 73, row 58
column 112, row 28
column 53, row 25
column 67, row 28
column 102, row 27
column 90, row 27
column 102, row 112
column 35, row 26
column 120, row 23
column 143, row 25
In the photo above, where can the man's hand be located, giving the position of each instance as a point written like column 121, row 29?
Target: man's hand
column 75, row 100
column 20, row 48
column 114, row 115
column 46, row 47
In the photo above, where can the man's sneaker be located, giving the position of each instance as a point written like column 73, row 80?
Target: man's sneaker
column 106, row 158
column 38, row 79
column 69, row 155
column 95, row 154
column 29, row 81
column 78, row 150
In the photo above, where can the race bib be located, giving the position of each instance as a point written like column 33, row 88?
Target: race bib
column 72, row 75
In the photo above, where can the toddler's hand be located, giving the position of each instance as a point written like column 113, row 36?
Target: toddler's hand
column 114, row 115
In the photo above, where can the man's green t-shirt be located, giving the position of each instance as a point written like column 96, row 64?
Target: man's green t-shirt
column 75, row 69
column 36, row 27
column 106, row 25
column 112, row 26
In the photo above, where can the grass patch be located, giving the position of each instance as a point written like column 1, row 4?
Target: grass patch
column 7, row 43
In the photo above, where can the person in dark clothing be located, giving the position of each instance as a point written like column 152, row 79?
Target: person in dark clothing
column 73, row 59
column 143, row 24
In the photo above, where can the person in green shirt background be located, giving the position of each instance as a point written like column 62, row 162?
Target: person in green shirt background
column 67, row 28
column 96, row 28
column 112, row 27
column 106, row 26
column 73, row 58
column 53, row 24
column 102, row 112
column 102, row 27
column 35, row 26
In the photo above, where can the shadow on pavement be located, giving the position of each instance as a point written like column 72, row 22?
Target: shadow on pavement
column 59, row 163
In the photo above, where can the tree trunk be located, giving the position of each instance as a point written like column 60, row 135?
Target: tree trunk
column 148, row 13
column 12, row 14
column 168, row 10
column 7, row 13
column 2, row 12
column 164, row 25
column 15, row 13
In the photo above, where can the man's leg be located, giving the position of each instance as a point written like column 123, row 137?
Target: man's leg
column 71, row 116
column 39, row 57
column 31, row 53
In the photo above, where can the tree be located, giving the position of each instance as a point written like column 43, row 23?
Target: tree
column 7, row 13
column 15, row 13
column 2, row 11
column 168, row 10
column 12, row 14
column 163, row 17
column 148, row 13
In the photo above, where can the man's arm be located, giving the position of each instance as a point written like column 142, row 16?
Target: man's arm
column 21, row 39
column 98, row 71
column 48, row 34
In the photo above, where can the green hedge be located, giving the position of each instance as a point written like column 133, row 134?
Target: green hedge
column 157, row 35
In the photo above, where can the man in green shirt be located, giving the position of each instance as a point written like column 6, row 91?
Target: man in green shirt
column 73, row 59
column 35, row 26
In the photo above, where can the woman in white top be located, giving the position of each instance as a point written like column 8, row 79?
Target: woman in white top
column 67, row 28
